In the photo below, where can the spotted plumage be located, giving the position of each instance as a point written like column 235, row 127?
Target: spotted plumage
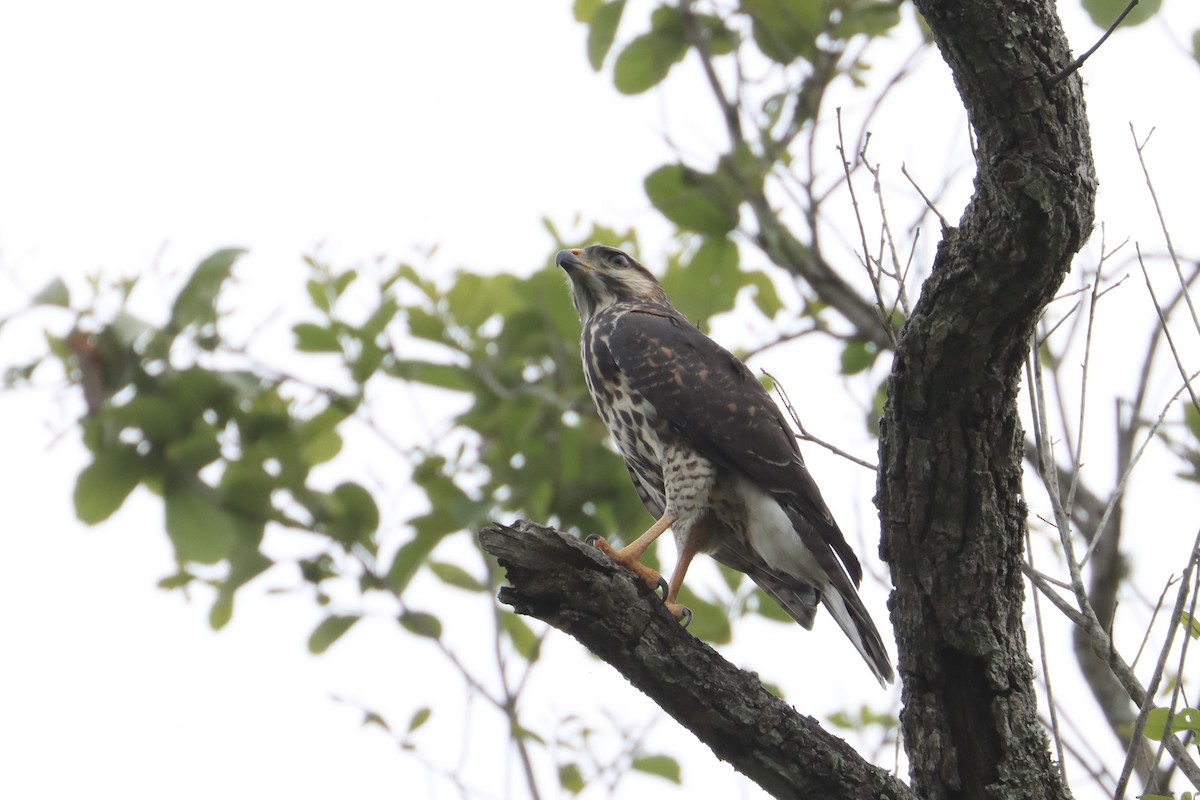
column 710, row 455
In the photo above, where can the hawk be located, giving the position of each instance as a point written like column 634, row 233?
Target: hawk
column 711, row 456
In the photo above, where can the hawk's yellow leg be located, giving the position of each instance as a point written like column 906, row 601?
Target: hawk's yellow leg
column 630, row 557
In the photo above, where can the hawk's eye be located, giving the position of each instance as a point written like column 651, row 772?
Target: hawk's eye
column 619, row 260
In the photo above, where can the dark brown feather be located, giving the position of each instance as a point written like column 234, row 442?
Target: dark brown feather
column 711, row 398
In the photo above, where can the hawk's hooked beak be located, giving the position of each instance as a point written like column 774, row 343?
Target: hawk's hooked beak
column 570, row 259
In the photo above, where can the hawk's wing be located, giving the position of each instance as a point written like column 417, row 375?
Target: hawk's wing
column 714, row 401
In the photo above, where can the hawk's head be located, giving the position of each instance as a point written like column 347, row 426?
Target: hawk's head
column 603, row 276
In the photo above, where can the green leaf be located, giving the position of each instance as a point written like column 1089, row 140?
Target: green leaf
column 374, row 718
column 858, row 356
column 177, row 581
column 329, row 631
column 584, row 9
column 1191, row 417
column 105, row 483
column 369, row 360
column 55, row 293
column 419, row 718
column 709, row 284
column 867, row 17
column 1185, row 719
column 648, row 58
column 1190, row 624
column 198, row 449
column 196, row 302
column 312, row 338
column 221, row 611
column 721, row 40
column 424, row 325
column 456, row 576
column 523, row 638
column 662, row 766
column 444, row 376
column 786, row 29
column 19, row 375
column 602, row 29
column 158, row 418
column 354, row 516
column 733, row 579
column 409, row 559
column 570, row 778
column 246, row 562
column 768, row 608
column 765, row 295
column 339, row 284
column 318, row 295
column 877, row 404
column 320, row 447
column 421, row 623
column 709, row 621
column 694, row 200
column 1105, row 12
column 200, row 529
column 380, row 318
column 864, row 718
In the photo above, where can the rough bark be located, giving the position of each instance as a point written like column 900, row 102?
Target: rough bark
column 573, row 587
column 951, row 442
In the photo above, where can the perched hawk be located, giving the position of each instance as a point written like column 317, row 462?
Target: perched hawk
column 710, row 454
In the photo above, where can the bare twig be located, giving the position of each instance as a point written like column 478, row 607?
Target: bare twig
column 1045, row 336
column 1171, row 581
column 1166, row 328
column 808, row 437
column 1178, row 688
column 816, row 327
column 729, row 108
column 1083, row 378
column 897, row 274
column 1152, row 686
column 874, row 273
column 1077, row 63
column 1120, row 490
column 1043, row 585
column 1162, row 221
column 1041, row 636
column 1099, row 637
column 1098, row 773
column 928, row 203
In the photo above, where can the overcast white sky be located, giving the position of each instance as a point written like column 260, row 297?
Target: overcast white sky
column 137, row 132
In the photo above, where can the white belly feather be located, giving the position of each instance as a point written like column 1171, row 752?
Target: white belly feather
column 773, row 538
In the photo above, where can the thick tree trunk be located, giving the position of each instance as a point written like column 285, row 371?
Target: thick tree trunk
column 567, row 584
column 951, row 442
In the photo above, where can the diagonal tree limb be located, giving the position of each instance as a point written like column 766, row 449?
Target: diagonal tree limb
column 563, row 582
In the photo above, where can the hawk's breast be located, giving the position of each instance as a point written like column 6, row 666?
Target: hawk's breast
column 637, row 428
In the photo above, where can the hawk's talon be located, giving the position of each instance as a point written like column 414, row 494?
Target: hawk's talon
column 662, row 587
column 687, row 617
column 592, row 538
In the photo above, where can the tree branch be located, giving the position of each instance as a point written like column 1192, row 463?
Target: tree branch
column 573, row 587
